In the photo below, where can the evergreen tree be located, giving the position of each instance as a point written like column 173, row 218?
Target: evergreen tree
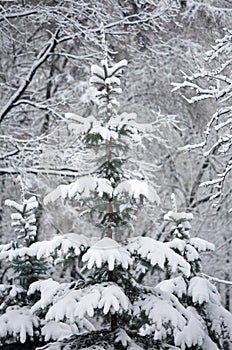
column 16, row 321
column 113, row 305
column 27, row 268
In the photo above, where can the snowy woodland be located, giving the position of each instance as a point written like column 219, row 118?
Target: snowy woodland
column 115, row 174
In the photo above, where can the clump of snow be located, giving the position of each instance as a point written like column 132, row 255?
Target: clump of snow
column 125, row 122
column 113, row 299
column 136, row 189
column 19, row 323
column 80, row 124
column 28, row 204
column 192, row 334
column 107, row 251
column 64, row 308
column 53, row 330
column 12, row 290
column 176, row 286
column 201, row 290
column 117, row 67
column 191, row 253
column 48, row 289
column 122, row 337
column 209, row 344
column 191, row 248
column 201, row 245
column 220, row 319
column 99, row 72
column 177, row 244
column 178, row 216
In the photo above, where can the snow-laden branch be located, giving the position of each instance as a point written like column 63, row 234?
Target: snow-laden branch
column 37, row 171
column 211, row 278
column 214, row 84
column 40, row 59
column 38, row 105
column 6, row 16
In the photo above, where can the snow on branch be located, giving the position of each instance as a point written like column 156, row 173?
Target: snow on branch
column 53, row 330
column 84, row 187
column 137, row 189
column 107, row 251
column 215, row 84
column 40, row 59
column 220, row 320
column 192, row 334
column 158, row 253
column 18, row 323
column 58, row 247
column 89, row 186
column 74, row 305
column 176, row 286
column 211, row 278
column 201, row 245
column 114, row 128
column 161, row 309
column 24, row 220
column 48, row 289
column 166, row 316
column 202, row 291
column 80, row 124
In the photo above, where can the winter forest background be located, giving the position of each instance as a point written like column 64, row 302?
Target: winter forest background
column 115, row 174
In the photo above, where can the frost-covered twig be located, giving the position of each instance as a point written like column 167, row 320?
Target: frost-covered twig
column 211, row 278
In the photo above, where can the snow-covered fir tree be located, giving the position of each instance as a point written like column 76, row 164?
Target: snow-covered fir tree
column 135, row 292
column 21, row 270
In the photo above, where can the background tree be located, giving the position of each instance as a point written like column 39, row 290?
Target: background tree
column 212, row 83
